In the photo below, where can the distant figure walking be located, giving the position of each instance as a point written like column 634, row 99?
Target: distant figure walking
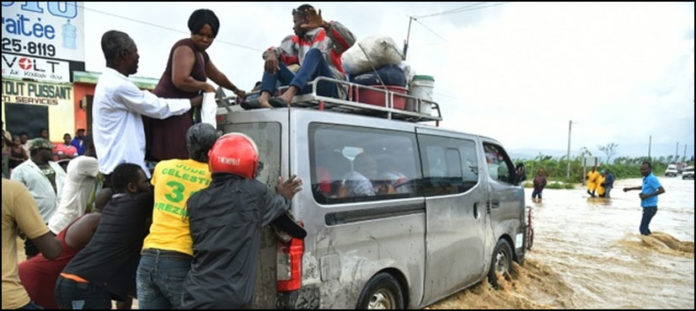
column 539, row 184
column 648, row 196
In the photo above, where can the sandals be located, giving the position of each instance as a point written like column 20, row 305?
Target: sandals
column 278, row 102
column 251, row 104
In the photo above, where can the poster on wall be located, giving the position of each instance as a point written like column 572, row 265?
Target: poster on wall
column 41, row 40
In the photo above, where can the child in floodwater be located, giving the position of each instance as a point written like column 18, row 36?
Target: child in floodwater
column 539, row 184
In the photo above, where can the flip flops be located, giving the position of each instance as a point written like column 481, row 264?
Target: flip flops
column 278, row 102
column 251, row 104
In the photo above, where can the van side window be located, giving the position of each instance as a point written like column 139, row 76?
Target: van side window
column 266, row 135
column 449, row 165
column 500, row 166
column 351, row 164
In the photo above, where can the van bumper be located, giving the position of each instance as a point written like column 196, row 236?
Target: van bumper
column 304, row 298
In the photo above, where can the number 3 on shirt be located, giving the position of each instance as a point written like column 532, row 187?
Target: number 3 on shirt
column 177, row 193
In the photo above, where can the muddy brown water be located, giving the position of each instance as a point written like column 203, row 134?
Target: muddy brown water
column 588, row 254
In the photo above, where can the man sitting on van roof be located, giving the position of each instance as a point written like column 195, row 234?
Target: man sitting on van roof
column 317, row 47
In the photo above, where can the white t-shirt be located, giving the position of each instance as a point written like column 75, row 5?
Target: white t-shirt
column 78, row 185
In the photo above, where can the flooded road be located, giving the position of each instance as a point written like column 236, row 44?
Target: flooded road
column 588, row 253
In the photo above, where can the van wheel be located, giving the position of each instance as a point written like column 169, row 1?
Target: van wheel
column 381, row 292
column 500, row 263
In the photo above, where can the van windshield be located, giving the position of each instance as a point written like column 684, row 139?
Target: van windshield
column 266, row 135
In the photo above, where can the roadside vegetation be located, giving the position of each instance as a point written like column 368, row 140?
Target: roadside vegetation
column 622, row 167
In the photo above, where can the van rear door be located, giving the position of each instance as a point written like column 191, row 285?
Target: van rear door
column 269, row 130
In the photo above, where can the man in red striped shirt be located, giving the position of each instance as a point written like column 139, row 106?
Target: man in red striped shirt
column 317, row 47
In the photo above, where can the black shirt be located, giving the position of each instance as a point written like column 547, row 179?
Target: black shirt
column 111, row 257
column 225, row 221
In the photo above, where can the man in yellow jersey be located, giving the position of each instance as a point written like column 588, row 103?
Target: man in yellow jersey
column 592, row 177
column 168, row 249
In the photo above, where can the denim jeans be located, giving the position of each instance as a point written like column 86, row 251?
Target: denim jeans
column 607, row 190
column 75, row 295
column 536, row 193
column 648, row 213
column 314, row 65
column 30, row 306
column 160, row 278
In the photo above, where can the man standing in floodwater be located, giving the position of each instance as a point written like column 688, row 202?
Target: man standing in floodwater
column 591, row 178
column 648, row 195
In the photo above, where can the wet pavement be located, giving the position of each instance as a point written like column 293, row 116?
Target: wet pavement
column 588, row 253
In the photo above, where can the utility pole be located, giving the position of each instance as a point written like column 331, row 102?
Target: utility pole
column 570, row 124
column 649, row 145
column 676, row 154
column 408, row 35
column 684, row 158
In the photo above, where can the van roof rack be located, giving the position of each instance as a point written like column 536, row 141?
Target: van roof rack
column 353, row 104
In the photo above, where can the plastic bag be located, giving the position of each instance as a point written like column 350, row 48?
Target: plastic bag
column 209, row 109
column 381, row 49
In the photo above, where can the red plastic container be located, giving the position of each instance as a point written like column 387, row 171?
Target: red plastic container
column 377, row 98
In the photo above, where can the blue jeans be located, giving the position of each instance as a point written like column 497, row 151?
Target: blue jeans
column 607, row 189
column 648, row 213
column 536, row 193
column 160, row 278
column 314, row 65
column 30, row 306
column 74, row 295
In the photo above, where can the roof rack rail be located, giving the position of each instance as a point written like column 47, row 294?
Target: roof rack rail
column 421, row 110
column 352, row 103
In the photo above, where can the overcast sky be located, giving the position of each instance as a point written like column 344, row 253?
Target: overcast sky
column 517, row 72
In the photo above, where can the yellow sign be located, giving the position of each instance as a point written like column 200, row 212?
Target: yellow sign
column 58, row 98
column 40, row 93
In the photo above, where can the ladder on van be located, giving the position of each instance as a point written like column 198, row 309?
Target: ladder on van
column 414, row 109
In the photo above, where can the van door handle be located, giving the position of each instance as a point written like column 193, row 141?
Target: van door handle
column 476, row 210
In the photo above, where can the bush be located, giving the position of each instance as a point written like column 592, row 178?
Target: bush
column 622, row 167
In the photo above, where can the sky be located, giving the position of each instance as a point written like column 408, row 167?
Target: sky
column 514, row 71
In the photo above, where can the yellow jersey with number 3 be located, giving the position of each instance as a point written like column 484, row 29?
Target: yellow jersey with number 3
column 174, row 181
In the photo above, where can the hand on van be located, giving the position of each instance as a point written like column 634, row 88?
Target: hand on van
column 289, row 187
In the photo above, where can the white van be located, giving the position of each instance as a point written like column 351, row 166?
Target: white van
column 398, row 214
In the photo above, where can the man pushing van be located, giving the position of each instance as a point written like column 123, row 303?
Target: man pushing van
column 225, row 221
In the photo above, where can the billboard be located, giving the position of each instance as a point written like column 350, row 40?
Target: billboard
column 43, row 41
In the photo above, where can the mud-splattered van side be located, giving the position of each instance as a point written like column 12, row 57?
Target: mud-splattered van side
column 398, row 214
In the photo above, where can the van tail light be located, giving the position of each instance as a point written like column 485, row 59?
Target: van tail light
column 290, row 265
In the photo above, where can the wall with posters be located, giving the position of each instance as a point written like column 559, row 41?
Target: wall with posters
column 42, row 44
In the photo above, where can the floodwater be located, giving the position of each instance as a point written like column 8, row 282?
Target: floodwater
column 589, row 254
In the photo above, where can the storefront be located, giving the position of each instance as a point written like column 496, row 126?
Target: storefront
column 29, row 106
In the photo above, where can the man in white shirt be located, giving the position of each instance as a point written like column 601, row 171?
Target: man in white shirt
column 80, row 183
column 119, row 136
column 44, row 179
